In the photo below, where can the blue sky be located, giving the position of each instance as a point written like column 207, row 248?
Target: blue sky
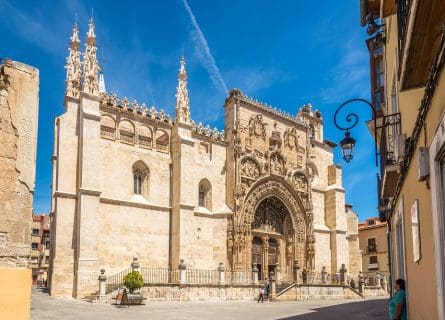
column 286, row 53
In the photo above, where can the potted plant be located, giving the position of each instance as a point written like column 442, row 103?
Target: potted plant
column 134, row 281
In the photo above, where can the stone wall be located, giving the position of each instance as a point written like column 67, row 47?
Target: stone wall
column 200, row 293
column 319, row 292
column 19, row 88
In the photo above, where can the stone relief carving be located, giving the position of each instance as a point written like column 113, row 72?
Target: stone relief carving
column 250, row 168
column 299, row 181
column 291, row 138
column 257, row 127
column 277, row 164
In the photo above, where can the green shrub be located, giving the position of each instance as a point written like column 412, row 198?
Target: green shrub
column 133, row 281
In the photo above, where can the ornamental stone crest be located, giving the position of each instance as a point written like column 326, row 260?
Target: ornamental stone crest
column 257, row 127
column 291, row 138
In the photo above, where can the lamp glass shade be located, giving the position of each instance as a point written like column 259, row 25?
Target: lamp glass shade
column 347, row 147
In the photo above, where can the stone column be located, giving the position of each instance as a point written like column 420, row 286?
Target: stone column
column 323, row 275
column 102, row 287
column 265, row 256
column 296, row 268
column 385, row 283
column 361, row 282
column 135, row 265
column 378, row 278
column 278, row 273
column 273, row 287
column 255, row 274
column 221, row 273
column 343, row 274
column 182, row 274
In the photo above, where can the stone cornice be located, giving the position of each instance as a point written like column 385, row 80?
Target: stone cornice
column 89, row 96
column 89, row 192
column 129, row 203
column 211, row 215
column 61, row 194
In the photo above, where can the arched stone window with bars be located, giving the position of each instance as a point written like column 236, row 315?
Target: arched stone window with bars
column 141, row 179
column 205, row 194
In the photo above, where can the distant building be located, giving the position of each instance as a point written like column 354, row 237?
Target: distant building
column 19, row 90
column 40, row 244
column 374, row 246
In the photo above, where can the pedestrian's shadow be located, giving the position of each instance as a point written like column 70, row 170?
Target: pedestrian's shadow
column 365, row 309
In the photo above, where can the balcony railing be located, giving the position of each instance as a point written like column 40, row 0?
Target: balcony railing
column 403, row 8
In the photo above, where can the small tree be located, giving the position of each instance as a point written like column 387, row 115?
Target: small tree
column 133, row 281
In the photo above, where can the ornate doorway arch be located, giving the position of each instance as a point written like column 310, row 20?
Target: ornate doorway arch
column 272, row 209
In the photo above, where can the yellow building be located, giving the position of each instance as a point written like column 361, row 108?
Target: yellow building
column 407, row 50
column 373, row 243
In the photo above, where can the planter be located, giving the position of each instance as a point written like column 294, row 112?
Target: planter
column 135, row 298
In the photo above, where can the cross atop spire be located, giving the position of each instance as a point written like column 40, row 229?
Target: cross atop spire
column 75, row 42
column 73, row 65
column 182, row 96
column 91, row 36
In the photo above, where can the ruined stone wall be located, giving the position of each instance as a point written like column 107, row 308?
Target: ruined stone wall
column 19, row 89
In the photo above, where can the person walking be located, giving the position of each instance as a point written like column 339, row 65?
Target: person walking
column 261, row 296
column 397, row 305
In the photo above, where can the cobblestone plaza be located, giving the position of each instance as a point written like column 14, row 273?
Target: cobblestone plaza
column 45, row 307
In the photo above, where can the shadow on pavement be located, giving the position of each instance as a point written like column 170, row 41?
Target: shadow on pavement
column 367, row 309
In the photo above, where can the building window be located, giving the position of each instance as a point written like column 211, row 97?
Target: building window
column 47, row 245
column 372, row 245
column 162, row 141
column 107, row 127
column 375, row 48
column 34, row 246
column 372, row 259
column 126, row 131
column 46, row 259
column 145, row 137
column 141, row 176
column 35, row 232
column 205, row 194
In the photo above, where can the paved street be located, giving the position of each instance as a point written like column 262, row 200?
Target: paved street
column 47, row 308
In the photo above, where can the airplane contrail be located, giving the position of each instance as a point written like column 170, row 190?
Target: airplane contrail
column 208, row 62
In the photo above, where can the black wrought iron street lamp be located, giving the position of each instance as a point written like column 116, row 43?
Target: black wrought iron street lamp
column 348, row 142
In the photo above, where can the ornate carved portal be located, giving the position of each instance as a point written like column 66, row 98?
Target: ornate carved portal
column 272, row 230
column 273, row 238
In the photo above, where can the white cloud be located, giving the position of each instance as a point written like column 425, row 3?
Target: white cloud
column 203, row 51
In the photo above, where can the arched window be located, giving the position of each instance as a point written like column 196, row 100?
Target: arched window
column 205, row 194
column 162, row 141
column 107, row 126
column 126, row 131
column 141, row 177
column 145, row 137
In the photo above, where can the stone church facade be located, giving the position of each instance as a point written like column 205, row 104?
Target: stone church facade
column 129, row 181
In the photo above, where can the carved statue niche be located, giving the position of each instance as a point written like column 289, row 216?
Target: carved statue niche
column 275, row 139
column 257, row 127
column 291, row 138
column 277, row 164
column 299, row 181
column 250, row 168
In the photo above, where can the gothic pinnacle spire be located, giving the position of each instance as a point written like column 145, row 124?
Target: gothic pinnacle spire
column 73, row 65
column 182, row 96
column 90, row 64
